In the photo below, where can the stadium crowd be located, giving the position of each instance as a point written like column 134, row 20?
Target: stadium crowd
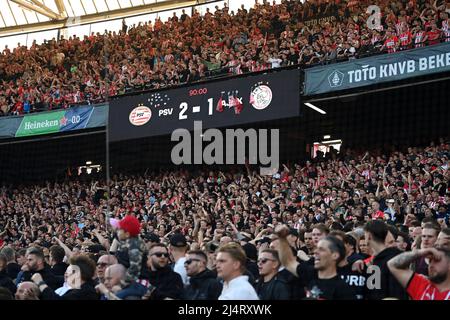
column 313, row 230
column 64, row 72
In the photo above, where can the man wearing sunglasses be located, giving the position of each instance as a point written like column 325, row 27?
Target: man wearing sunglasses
column 203, row 284
column 104, row 262
column 270, row 286
column 168, row 284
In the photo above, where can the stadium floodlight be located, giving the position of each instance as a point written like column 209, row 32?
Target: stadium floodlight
column 315, row 108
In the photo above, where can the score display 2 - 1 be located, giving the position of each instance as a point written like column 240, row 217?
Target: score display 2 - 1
column 222, row 103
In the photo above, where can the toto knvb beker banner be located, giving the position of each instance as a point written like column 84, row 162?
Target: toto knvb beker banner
column 378, row 69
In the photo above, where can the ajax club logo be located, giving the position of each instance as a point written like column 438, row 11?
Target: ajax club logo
column 261, row 96
column 140, row 115
column 335, row 79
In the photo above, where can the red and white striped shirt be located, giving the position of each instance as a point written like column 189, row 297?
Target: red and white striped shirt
column 418, row 40
column 405, row 39
column 391, row 43
column 446, row 30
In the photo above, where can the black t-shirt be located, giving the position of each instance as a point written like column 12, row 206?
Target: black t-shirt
column 323, row 289
column 355, row 280
column 296, row 290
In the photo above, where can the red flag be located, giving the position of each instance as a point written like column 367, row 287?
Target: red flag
column 220, row 105
column 238, row 106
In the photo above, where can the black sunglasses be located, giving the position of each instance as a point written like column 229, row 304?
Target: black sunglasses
column 263, row 261
column 161, row 254
column 190, row 261
column 102, row 264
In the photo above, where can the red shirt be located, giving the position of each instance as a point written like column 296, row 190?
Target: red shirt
column 433, row 36
column 420, row 288
column 377, row 215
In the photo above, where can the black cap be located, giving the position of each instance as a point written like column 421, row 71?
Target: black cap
column 96, row 248
column 152, row 237
column 211, row 246
column 250, row 251
column 264, row 240
column 178, row 240
column 293, row 232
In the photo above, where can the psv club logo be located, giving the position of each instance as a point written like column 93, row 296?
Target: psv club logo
column 140, row 115
column 261, row 97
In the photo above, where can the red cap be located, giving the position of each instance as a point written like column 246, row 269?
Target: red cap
column 131, row 225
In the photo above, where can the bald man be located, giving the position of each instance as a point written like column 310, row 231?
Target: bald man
column 112, row 290
column 114, row 274
column 27, row 291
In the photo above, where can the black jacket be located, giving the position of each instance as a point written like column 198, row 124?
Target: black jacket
column 252, row 267
column 60, row 268
column 6, row 282
column 48, row 277
column 275, row 289
column 12, row 269
column 203, row 286
column 168, row 284
column 86, row 292
column 389, row 286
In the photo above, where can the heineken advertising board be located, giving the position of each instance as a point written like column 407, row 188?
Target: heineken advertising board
column 76, row 118
column 378, row 69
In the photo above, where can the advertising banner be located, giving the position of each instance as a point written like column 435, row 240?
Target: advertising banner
column 378, row 69
column 76, row 118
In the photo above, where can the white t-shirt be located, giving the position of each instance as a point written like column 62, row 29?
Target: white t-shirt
column 275, row 62
column 63, row 290
column 238, row 289
column 181, row 270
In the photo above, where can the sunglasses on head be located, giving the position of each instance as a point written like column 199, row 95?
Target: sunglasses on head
column 161, row 254
column 190, row 261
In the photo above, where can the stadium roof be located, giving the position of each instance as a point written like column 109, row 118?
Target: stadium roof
column 19, row 15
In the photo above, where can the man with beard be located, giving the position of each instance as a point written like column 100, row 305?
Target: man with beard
column 36, row 264
column 166, row 284
column 419, row 287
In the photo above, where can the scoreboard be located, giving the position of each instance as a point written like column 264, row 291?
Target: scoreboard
column 223, row 103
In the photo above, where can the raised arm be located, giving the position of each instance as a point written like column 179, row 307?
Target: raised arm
column 287, row 258
column 104, row 242
column 399, row 265
column 66, row 248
